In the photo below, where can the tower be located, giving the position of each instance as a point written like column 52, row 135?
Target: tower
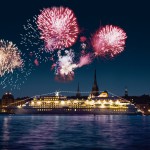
column 126, row 92
column 78, row 94
column 95, row 89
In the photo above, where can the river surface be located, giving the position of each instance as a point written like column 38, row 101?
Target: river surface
column 104, row 132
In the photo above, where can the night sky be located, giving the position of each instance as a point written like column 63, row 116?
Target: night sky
column 129, row 69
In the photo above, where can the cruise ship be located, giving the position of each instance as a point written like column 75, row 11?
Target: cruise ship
column 97, row 105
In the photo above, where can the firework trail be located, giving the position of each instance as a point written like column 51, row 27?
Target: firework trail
column 58, row 27
column 34, row 53
column 13, row 81
column 109, row 41
column 10, row 57
column 35, row 47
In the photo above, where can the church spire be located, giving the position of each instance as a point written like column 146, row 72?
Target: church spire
column 78, row 91
column 95, row 82
column 126, row 92
column 95, row 88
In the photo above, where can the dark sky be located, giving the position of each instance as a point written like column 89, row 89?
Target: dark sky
column 130, row 69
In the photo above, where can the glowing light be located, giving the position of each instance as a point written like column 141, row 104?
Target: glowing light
column 62, row 102
column 56, row 93
column 39, row 103
column 111, row 102
column 109, row 41
column 103, row 94
column 19, row 106
column 10, row 57
column 102, row 106
column 98, row 102
column 32, row 103
column 87, row 102
column 104, row 102
column 75, row 101
column 56, row 102
column 58, row 26
column 117, row 102
column 68, row 101
column 92, row 102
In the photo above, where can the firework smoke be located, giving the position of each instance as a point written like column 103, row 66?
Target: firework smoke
column 85, row 60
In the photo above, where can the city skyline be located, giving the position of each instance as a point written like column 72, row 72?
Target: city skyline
column 129, row 69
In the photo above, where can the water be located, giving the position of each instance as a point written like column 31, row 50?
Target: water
column 106, row 132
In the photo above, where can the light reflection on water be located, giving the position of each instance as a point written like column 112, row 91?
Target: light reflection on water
column 106, row 132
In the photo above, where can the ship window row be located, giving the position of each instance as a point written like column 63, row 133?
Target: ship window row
column 60, row 109
column 120, row 110
column 44, row 109
column 65, row 109
column 41, row 104
column 40, row 107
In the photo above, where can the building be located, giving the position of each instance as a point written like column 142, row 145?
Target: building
column 7, row 99
column 126, row 93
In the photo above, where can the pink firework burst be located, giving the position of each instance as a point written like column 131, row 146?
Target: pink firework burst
column 109, row 41
column 58, row 26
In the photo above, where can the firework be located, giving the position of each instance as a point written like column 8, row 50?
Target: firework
column 31, row 37
column 83, row 46
column 10, row 57
column 109, row 41
column 65, row 66
column 36, row 62
column 83, row 39
column 14, row 80
column 58, row 27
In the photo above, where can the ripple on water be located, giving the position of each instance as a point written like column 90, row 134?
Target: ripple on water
column 106, row 132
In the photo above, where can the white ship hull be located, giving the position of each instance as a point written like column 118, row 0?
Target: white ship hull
column 73, row 111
